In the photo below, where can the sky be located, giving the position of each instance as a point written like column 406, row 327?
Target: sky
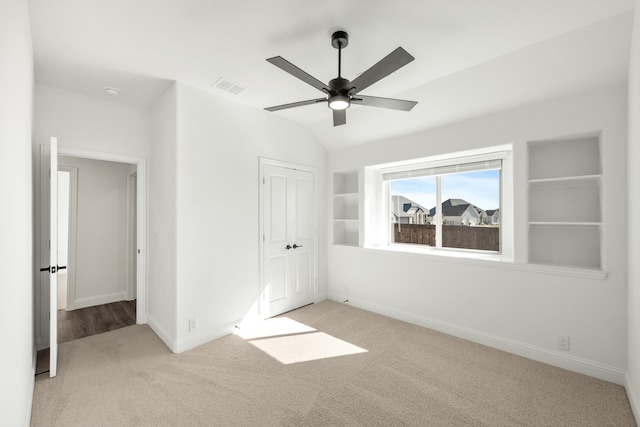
column 478, row 188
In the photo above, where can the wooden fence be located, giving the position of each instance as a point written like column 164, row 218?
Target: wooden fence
column 453, row 236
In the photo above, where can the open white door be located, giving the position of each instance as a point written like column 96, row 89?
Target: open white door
column 53, row 258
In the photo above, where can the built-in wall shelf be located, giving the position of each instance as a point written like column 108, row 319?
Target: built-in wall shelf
column 346, row 209
column 564, row 197
column 567, row 179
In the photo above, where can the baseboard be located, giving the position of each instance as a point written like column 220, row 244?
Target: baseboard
column 540, row 354
column 96, row 300
column 162, row 334
column 206, row 336
column 633, row 398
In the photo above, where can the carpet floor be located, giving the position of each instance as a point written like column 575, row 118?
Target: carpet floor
column 326, row 364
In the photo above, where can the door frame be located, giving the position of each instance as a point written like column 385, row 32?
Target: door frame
column 132, row 182
column 142, row 309
column 261, row 236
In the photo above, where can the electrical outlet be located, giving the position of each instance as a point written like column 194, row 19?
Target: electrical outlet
column 564, row 342
column 193, row 324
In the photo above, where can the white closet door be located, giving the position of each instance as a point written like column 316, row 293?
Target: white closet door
column 289, row 240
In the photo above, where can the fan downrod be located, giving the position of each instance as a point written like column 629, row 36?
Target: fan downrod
column 340, row 39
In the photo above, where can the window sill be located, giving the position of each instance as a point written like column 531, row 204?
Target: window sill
column 491, row 260
column 448, row 253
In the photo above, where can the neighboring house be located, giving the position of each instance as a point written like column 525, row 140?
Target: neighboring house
column 460, row 212
column 492, row 216
column 406, row 211
column 482, row 213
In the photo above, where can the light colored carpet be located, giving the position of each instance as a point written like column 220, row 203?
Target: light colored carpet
column 391, row 374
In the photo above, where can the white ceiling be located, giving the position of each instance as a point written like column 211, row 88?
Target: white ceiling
column 472, row 57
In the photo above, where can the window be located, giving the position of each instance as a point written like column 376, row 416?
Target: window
column 446, row 204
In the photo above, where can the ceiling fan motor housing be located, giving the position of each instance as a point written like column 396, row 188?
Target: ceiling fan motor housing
column 339, row 98
column 338, row 84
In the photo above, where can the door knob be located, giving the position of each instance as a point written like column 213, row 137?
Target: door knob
column 296, row 246
column 288, row 247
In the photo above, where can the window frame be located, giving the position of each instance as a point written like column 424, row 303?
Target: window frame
column 378, row 225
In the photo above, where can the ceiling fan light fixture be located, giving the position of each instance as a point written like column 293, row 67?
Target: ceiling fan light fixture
column 339, row 102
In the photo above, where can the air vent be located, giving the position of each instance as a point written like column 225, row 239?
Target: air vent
column 228, row 86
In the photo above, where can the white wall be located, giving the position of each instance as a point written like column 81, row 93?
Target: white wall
column 101, row 221
column 162, row 218
column 516, row 309
column 633, row 303
column 219, row 144
column 88, row 123
column 16, row 215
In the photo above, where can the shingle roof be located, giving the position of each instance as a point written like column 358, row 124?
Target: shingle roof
column 454, row 207
column 456, row 202
column 405, row 207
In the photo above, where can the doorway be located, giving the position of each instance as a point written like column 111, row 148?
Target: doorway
column 96, row 227
column 288, row 237
column 137, row 246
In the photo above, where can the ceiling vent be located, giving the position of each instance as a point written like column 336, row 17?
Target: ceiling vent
column 228, row 86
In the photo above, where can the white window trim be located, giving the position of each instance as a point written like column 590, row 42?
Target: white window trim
column 376, row 222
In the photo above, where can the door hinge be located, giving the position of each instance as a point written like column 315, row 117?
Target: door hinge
column 263, row 238
column 264, row 181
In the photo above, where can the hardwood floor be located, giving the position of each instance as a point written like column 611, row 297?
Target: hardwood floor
column 89, row 321
column 95, row 320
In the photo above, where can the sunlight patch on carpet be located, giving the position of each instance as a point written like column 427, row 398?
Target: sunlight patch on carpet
column 271, row 328
column 289, row 341
column 305, row 347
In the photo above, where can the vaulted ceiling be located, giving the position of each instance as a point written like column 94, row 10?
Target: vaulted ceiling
column 472, row 57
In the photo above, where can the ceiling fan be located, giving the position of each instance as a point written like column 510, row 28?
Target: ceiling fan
column 340, row 92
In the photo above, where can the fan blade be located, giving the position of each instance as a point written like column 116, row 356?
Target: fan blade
column 287, row 66
column 296, row 104
column 339, row 117
column 374, row 101
column 387, row 65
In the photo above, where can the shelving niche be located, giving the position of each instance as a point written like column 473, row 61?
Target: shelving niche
column 346, row 209
column 565, row 215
